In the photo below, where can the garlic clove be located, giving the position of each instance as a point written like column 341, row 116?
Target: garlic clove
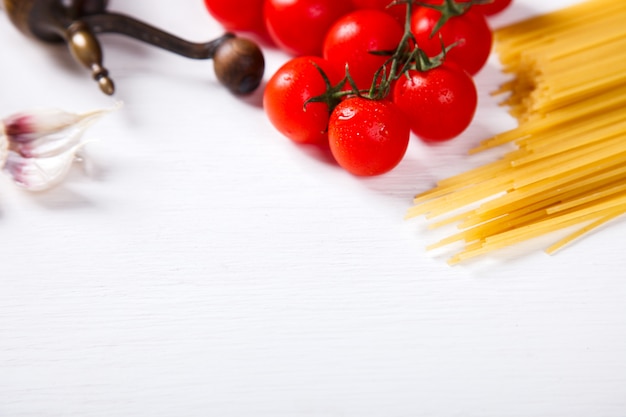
column 37, row 148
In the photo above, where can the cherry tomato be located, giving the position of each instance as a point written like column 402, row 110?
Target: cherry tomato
column 368, row 137
column 245, row 15
column 299, row 26
column 440, row 102
column 397, row 11
column 489, row 9
column 470, row 31
column 354, row 36
column 289, row 88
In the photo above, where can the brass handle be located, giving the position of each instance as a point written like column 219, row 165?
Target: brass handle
column 86, row 50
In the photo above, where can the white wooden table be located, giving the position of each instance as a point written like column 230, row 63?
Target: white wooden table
column 205, row 266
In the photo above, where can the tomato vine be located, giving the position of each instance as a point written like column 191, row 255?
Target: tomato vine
column 353, row 81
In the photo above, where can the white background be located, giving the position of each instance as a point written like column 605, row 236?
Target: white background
column 203, row 265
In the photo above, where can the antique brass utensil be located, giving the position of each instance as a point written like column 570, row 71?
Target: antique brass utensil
column 238, row 62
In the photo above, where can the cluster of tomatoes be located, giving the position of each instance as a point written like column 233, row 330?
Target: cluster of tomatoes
column 367, row 73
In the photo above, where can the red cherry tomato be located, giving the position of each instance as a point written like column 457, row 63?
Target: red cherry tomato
column 299, row 26
column 245, row 15
column 489, row 9
column 398, row 11
column 289, row 88
column 368, row 137
column 440, row 103
column 353, row 37
column 470, row 31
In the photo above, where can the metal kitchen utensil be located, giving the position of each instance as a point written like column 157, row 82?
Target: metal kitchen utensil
column 238, row 62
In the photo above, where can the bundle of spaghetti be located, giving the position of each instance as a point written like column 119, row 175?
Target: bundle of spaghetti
column 568, row 164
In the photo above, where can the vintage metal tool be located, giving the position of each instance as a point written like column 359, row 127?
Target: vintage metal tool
column 238, row 62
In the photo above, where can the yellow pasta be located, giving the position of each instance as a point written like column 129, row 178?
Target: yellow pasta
column 568, row 92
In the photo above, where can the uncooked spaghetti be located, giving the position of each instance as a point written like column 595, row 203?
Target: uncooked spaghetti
column 568, row 93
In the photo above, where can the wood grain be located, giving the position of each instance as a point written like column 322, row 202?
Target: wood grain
column 201, row 265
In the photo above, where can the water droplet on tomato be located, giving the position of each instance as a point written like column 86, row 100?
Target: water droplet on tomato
column 346, row 114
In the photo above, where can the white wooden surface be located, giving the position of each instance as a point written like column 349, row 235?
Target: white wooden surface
column 204, row 266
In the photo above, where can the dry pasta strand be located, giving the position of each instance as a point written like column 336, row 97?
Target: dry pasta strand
column 568, row 93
